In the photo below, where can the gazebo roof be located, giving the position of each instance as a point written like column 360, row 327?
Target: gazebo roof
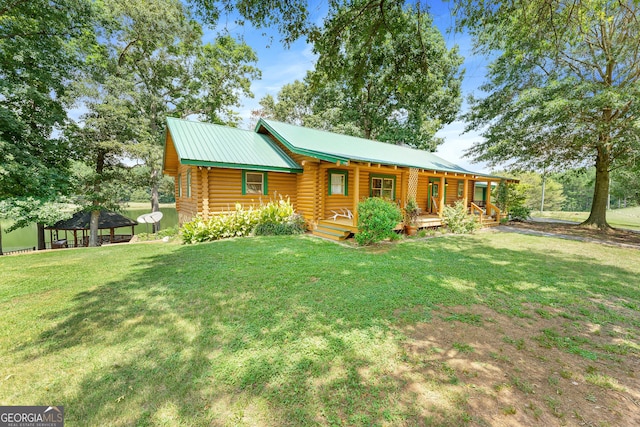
column 80, row 221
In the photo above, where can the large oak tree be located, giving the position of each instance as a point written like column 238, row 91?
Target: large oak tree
column 383, row 72
column 563, row 89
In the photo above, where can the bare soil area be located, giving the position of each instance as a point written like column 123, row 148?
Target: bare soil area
column 613, row 236
column 531, row 371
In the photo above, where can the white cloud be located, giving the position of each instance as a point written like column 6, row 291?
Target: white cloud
column 455, row 145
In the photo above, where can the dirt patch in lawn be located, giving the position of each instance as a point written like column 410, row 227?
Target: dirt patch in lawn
column 613, row 236
column 543, row 369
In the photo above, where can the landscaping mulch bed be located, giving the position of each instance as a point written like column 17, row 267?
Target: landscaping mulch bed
column 612, row 236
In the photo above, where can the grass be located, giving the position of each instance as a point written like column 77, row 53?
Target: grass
column 623, row 218
column 277, row 331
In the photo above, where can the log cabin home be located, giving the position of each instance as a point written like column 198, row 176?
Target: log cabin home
column 324, row 174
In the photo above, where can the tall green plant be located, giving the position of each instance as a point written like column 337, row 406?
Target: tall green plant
column 509, row 195
column 273, row 217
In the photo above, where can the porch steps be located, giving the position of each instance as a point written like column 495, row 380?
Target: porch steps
column 331, row 231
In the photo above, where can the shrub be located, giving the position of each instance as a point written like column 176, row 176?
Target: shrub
column 510, row 198
column 376, row 220
column 411, row 211
column 170, row 232
column 293, row 225
column 519, row 213
column 274, row 217
column 457, row 219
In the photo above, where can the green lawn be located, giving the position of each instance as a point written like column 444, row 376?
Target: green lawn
column 278, row 331
column 623, row 218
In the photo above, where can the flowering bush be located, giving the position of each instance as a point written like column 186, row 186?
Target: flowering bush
column 457, row 219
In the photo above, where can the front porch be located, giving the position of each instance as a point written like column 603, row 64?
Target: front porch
column 342, row 228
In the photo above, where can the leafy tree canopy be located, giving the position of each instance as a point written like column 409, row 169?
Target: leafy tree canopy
column 563, row 89
column 40, row 46
column 151, row 63
column 384, row 72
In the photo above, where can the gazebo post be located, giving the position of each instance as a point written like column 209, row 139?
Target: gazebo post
column 111, row 233
column 75, row 238
column 50, row 239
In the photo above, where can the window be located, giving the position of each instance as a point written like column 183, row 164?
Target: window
column 460, row 188
column 189, row 183
column 338, row 182
column 435, row 192
column 383, row 186
column 179, row 184
column 254, row 183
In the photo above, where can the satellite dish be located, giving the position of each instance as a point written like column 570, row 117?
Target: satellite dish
column 150, row 218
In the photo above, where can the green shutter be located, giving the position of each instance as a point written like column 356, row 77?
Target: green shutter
column 265, row 184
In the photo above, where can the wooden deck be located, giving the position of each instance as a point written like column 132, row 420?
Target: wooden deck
column 342, row 228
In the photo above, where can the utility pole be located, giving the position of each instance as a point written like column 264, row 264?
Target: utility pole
column 544, row 177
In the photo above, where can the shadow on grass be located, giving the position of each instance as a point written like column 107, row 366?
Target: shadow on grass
column 288, row 331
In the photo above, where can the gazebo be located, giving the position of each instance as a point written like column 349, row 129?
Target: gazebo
column 78, row 225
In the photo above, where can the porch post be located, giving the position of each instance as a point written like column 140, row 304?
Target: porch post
column 465, row 193
column 356, row 193
column 204, row 189
column 488, row 198
column 441, row 202
column 324, row 190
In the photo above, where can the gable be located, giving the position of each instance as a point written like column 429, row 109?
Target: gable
column 210, row 145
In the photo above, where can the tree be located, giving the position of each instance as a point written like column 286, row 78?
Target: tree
column 399, row 81
column 383, row 73
column 577, row 188
column 40, row 47
column 293, row 104
column 531, row 184
column 625, row 187
column 563, row 88
column 151, row 63
column 509, row 195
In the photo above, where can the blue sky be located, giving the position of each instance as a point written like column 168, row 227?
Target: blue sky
column 280, row 66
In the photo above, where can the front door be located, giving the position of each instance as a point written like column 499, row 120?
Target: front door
column 434, row 197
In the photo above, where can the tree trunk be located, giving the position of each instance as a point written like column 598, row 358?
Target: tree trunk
column 0, row 239
column 93, row 228
column 41, row 244
column 598, row 216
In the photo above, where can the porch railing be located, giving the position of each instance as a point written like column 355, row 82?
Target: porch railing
column 477, row 210
column 493, row 210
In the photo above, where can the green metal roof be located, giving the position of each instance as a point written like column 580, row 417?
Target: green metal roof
column 206, row 144
column 335, row 148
